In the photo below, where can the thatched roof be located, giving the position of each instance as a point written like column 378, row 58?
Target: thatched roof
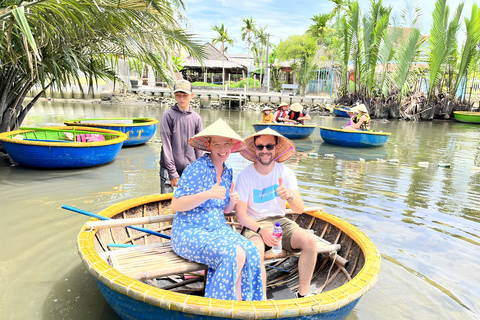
column 214, row 60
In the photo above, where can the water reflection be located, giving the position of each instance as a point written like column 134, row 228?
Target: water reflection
column 424, row 220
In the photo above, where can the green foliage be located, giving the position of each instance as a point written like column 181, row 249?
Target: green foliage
column 60, row 42
column 443, row 35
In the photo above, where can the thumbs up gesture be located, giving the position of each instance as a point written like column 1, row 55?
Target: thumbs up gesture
column 217, row 191
column 282, row 191
column 234, row 197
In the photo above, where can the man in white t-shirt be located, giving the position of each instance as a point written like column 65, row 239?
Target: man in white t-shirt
column 263, row 187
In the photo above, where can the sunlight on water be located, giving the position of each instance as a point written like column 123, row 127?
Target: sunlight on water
column 423, row 219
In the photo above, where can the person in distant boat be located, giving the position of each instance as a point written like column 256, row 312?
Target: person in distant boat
column 178, row 124
column 263, row 188
column 297, row 115
column 281, row 113
column 361, row 121
column 267, row 115
column 200, row 232
column 352, row 113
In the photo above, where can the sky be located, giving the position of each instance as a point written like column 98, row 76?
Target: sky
column 284, row 18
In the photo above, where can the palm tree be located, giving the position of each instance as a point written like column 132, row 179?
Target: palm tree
column 261, row 37
column 247, row 29
column 318, row 29
column 55, row 43
column 443, row 35
column 222, row 38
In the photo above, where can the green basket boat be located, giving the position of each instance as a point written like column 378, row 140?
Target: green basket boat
column 467, row 116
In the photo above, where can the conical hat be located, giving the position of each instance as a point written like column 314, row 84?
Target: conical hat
column 362, row 108
column 267, row 108
column 217, row 129
column 285, row 149
column 297, row 107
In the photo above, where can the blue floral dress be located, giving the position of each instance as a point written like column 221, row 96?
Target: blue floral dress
column 202, row 235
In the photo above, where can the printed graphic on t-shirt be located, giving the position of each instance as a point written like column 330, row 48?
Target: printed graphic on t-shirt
column 267, row 194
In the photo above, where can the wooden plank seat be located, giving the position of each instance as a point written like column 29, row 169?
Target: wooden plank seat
column 159, row 260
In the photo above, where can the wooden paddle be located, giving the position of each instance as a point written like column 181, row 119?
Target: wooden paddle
column 90, row 214
column 155, row 219
column 68, row 130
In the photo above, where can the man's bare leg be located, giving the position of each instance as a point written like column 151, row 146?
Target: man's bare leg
column 305, row 241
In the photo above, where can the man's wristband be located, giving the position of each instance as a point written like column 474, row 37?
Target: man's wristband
column 258, row 230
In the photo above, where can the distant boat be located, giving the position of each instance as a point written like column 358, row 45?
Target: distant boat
column 341, row 111
column 141, row 277
column 62, row 147
column 353, row 138
column 138, row 130
column 467, row 116
column 290, row 131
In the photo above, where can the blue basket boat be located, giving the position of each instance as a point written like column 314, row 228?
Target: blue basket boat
column 138, row 130
column 353, row 138
column 135, row 281
column 62, row 147
column 290, row 131
column 341, row 111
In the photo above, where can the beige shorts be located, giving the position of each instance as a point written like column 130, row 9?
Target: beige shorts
column 288, row 228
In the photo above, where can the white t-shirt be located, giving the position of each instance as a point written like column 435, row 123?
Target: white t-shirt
column 259, row 190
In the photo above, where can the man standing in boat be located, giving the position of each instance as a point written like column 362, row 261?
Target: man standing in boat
column 264, row 187
column 177, row 126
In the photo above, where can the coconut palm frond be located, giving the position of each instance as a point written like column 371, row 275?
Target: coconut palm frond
column 472, row 27
column 405, row 57
column 442, row 37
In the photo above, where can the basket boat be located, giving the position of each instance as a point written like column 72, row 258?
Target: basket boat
column 467, row 116
column 290, row 131
column 57, row 146
column 341, row 111
column 353, row 138
column 138, row 130
column 142, row 290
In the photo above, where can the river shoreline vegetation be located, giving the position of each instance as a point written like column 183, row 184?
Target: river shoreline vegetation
column 392, row 68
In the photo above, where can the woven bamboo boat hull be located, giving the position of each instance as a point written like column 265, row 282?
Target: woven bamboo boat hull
column 467, row 116
column 290, row 131
column 341, row 111
column 43, row 149
column 352, row 138
column 138, row 132
column 134, row 299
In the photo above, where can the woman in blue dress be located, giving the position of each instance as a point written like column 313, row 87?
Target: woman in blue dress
column 200, row 232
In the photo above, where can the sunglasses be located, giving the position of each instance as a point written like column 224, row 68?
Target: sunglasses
column 268, row 146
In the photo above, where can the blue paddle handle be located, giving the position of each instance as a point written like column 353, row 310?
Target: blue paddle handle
column 90, row 214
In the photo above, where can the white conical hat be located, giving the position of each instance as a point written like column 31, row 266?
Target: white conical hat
column 217, row 129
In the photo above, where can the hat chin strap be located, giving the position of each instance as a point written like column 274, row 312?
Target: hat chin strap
column 206, row 144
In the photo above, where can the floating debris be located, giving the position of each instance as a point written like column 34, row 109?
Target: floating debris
column 393, row 161
column 444, row 165
column 329, row 155
column 158, row 141
column 361, row 160
column 423, row 164
column 380, row 160
column 475, row 168
column 313, row 154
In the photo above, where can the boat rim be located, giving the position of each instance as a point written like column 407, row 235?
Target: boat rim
column 352, row 131
column 146, row 122
column 324, row 302
column 286, row 125
column 467, row 113
column 6, row 137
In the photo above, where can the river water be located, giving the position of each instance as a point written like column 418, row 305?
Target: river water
column 424, row 220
